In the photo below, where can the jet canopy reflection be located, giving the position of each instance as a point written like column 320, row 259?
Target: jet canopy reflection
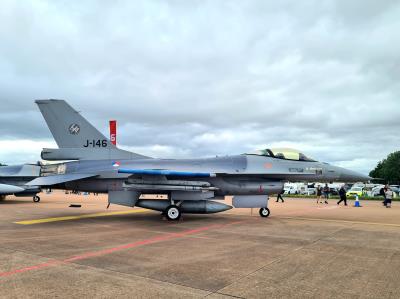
column 282, row 153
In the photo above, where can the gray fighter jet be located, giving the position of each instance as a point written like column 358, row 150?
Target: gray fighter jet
column 13, row 181
column 192, row 185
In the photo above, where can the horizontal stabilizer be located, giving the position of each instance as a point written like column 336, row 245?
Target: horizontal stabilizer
column 56, row 154
column 58, row 179
column 24, row 170
column 167, row 172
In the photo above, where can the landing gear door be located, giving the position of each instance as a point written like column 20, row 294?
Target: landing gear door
column 123, row 198
column 250, row 201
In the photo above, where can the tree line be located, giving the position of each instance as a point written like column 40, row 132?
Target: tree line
column 388, row 169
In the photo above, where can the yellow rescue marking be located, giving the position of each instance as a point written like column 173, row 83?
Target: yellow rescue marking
column 342, row 221
column 63, row 218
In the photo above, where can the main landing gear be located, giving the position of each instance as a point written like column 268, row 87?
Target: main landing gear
column 173, row 212
column 264, row 212
column 36, row 198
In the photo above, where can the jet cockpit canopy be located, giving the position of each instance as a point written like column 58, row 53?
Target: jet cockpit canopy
column 282, row 153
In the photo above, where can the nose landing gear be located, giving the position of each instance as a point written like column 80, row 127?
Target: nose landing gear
column 173, row 212
column 264, row 212
column 36, row 198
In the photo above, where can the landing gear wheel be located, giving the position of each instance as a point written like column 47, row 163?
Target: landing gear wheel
column 173, row 212
column 264, row 212
column 36, row 198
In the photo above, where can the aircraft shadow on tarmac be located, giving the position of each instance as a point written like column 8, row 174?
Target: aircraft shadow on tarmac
column 149, row 218
column 156, row 218
column 14, row 202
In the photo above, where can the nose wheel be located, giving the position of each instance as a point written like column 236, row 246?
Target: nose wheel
column 173, row 212
column 36, row 198
column 264, row 212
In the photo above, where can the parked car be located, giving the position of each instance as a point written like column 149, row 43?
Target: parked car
column 395, row 188
column 290, row 190
column 355, row 191
column 308, row 191
column 376, row 191
column 311, row 191
column 293, row 190
column 333, row 191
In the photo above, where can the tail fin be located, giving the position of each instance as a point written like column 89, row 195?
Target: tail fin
column 69, row 128
column 76, row 138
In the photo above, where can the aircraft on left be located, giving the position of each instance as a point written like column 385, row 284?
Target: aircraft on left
column 13, row 179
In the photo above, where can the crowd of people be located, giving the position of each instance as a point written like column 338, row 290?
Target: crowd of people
column 323, row 195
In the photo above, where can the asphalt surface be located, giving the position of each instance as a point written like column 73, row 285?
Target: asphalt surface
column 303, row 250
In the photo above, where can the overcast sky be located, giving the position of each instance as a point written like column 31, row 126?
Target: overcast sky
column 205, row 78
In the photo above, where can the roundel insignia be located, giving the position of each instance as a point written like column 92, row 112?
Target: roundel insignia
column 268, row 165
column 74, row 129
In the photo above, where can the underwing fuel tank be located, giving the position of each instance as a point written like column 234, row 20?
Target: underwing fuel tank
column 189, row 206
column 10, row 189
column 236, row 186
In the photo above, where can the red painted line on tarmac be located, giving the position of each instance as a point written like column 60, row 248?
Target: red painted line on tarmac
column 164, row 237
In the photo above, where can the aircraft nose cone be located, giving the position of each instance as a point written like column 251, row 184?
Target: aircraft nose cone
column 353, row 176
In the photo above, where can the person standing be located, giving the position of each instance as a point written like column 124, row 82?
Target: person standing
column 342, row 194
column 279, row 197
column 385, row 189
column 382, row 193
column 319, row 194
column 389, row 196
column 326, row 193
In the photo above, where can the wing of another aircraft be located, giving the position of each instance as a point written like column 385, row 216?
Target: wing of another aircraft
column 58, row 179
column 6, row 189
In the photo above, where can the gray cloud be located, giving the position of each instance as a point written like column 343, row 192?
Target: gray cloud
column 207, row 78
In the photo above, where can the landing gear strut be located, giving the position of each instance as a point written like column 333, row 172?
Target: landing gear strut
column 36, row 198
column 173, row 212
column 264, row 212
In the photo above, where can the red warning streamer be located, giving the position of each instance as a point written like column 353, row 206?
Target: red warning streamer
column 113, row 131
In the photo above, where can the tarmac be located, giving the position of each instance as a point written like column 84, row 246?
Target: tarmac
column 303, row 250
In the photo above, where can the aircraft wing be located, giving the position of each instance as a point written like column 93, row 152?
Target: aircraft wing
column 58, row 179
column 164, row 172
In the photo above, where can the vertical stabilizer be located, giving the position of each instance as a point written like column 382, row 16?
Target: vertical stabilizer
column 69, row 128
column 76, row 138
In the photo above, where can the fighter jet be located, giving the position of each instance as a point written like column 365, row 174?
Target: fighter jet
column 191, row 185
column 13, row 181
